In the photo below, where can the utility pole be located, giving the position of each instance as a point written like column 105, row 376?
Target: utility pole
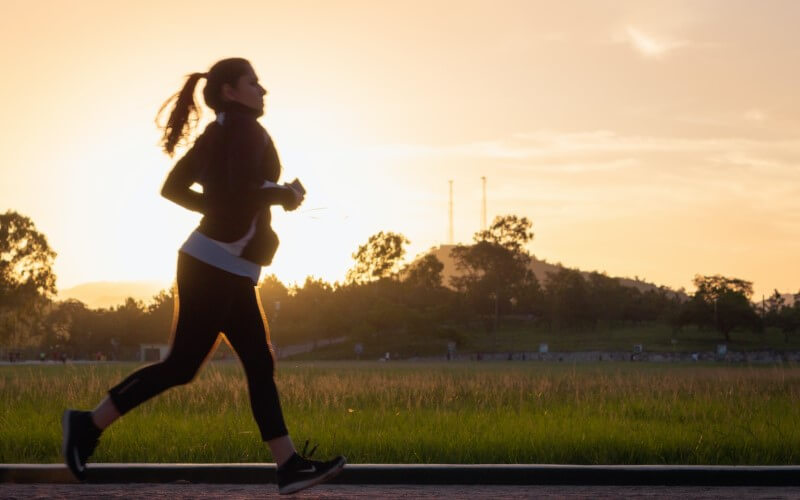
column 483, row 205
column 450, row 227
column 716, row 316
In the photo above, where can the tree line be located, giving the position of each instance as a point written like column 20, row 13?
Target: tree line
column 382, row 296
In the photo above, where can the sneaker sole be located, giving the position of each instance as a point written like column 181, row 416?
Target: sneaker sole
column 73, row 464
column 295, row 487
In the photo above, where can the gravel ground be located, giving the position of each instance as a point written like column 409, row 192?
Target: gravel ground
column 235, row 491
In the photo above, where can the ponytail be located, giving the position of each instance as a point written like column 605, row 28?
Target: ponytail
column 185, row 115
column 181, row 123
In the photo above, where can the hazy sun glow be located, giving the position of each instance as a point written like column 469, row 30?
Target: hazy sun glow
column 655, row 139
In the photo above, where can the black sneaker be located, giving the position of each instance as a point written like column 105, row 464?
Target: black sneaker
column 80, row 439
column 299, row 472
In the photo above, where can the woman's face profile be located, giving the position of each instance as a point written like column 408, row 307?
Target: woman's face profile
column 248, row 91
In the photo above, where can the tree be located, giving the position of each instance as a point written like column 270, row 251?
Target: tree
column 158, row 318
column 60, row 324
column 425, row 272
column 306, row 313
column 495, row 269
column 568, row 299
column 529, row 297
column 724, row 303
column 608, row 298
column 789, row 321
column 27, row 281
column 427, row 303
column 713, row 287
column 780, row 315
column 378, row 258
column 273, row 293
column 26, row 259
column 510, row 232
column 735, row 310
column 774, row 304
column 128, row 320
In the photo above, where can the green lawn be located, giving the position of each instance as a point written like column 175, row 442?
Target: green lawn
column 430, row 413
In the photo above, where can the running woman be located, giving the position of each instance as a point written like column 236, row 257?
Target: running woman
column 235, row 162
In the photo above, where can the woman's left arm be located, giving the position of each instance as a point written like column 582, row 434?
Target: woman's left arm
column 177, row 186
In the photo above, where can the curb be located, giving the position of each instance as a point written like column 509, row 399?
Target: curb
column 480, row 474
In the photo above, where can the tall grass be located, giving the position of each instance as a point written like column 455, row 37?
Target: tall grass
column 430, row 413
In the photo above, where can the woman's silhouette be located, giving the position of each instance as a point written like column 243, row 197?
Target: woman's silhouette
column 235, row 162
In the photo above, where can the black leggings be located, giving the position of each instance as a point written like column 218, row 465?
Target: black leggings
column 210, row 301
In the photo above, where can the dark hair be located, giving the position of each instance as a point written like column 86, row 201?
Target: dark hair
column 180, row 124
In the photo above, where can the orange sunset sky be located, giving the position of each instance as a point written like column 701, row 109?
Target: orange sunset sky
column 642, row 138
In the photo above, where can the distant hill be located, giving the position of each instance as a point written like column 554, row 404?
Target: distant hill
column 539, row 267
column 788, row 298
column 104, row 294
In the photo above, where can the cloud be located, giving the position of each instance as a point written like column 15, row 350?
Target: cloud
column 743, row 121
column 650, row 46
column 548, row 145
column 602, row 166
column 580, row 167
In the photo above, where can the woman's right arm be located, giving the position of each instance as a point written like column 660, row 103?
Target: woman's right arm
column 179, row 181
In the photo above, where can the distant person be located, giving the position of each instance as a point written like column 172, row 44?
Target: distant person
column 236, row 163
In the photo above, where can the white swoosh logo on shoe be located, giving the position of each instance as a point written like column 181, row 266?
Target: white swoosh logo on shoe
column 77, row 460
column 312, row 469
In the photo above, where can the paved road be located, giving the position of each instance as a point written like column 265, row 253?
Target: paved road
column 347, row 492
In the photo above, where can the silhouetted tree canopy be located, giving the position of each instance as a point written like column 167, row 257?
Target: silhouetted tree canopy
column 26, row 260
column 425, row 272
column 27, row 281
column 711, row 288
column 568, row 299
column 273, row 293
column 378, row 304
column 723, row 304
column 508, row 231
column 378, row 258
column 494, row 272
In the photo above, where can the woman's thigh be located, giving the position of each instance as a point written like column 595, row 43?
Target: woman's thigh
column 247, row 329
column 201, row 306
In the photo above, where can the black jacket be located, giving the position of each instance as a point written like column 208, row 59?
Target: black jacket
column 231, row 161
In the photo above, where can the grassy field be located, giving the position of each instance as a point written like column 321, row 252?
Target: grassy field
column 430, row 413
